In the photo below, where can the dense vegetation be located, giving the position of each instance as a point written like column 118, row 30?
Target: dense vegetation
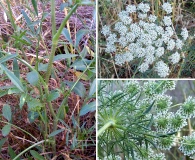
column 47, row 79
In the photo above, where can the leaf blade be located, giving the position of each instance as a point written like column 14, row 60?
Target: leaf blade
column 2, row 141
column 36, row 155
column 16, row 68
column 64, row 56
column 7, row 57
column 79, row 36
column 92, row 88
column 54, row 133
column 34, row 3
column 66, row 34
column 6, row 129
column 28, row 21
column 90, row 107
column 7, row 113
column 54, row 94
column 79, row 88
column 33, row 78
column 13, row 78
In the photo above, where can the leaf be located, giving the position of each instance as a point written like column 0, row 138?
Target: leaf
column 7, row 113
column 2, row 141
column 28, row 21
column 64, row 5
column 79, row 88
column 7, row 57
column 132, row 153
column 64, row 56
column 54, row 133
column 33, row 77
column 3, row 93
column 83, row 77
column 16, row 68
column 93, row 70
column 19, row 40
column 44, row 15
column 36, row 155
column 67, row 138
column 166, row 134
column 53, row 95
column 79, row 36
column 79, row 65
column 83, row 53
column 75, row 123
column 13, row 91
column 34, row 3
column 66, row 34
column 22, row 99
column 28, row 41
column 66, row 125
column 13, row 78
column 12, row 153
column 150, row 122
column 149, row 108
column 33, row 104
column 92, row 88
column 74, row 141
column 42, row 67
column 90, row 74
column 32, row 116
column 7, row 87
column 62, row 110
column 90, row 107
column 6, row 129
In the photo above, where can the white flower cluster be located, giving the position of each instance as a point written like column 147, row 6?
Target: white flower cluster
column 188, row 108
column 167, row 7
column 144, row 39
column 188, row 145
column 165, row 143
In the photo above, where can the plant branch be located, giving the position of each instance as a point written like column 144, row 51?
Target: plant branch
column 55, row 41
column 34, row 145
column 105, row 127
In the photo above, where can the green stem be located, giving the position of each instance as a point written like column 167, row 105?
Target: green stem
column 137, row 68
column 36, row 144
column 41, row 117
column 53, row 17
column 55, row 41
column 43, row 83
column 11, row 15
column 106, row 126
column 156, row 7
column 176, row 105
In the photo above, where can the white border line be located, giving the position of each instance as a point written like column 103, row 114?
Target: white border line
column 145, row 79
column 96, row 51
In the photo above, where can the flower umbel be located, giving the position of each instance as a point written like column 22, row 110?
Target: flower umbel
column 188, row 145
column 145, row 40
